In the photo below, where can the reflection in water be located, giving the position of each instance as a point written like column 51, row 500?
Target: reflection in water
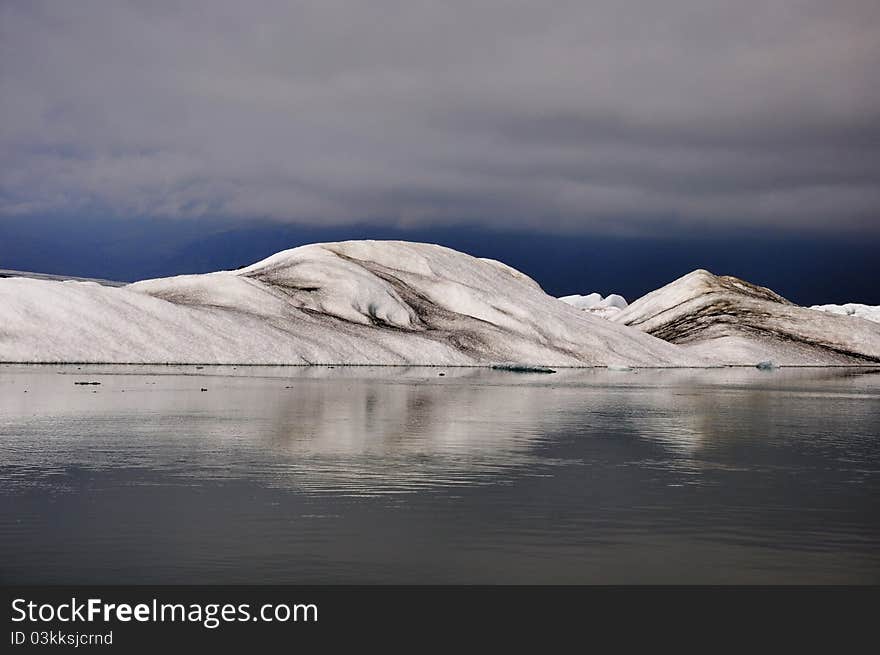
column 363, row 436
column 401, row 475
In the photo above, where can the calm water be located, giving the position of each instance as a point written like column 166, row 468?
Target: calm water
column 279, row 475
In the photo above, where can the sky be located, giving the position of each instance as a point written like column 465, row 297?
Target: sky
column 739, row 136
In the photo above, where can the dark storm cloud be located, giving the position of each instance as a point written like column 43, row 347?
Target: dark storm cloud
column 610, row 115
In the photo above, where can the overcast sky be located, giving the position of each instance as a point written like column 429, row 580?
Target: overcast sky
column 591, row 116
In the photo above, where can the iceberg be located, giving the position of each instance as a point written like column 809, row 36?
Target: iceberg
column 402, row 303
column 614, row 300
column 730, row 321
column 583, row 302
column 867, row 312
column 596, row 304
column 352, row 302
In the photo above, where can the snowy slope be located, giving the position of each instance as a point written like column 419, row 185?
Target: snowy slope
column 867, row 312
column 355, row 302
column 729, row 320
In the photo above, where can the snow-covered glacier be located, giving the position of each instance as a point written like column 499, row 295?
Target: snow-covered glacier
column 353, row 302
column 731, row 321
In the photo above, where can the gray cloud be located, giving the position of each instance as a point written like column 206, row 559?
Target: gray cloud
column 608, row 115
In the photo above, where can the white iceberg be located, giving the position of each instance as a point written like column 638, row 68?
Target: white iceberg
column 614, row 300
column 583, row 302
column 596, row 304
column 353, row 302
column 731, row 321
column 396, row 303
column 867, row 312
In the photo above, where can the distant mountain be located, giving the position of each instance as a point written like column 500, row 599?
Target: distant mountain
column 729, row 320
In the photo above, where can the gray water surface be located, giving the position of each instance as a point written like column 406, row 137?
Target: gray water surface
column 400, row 475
